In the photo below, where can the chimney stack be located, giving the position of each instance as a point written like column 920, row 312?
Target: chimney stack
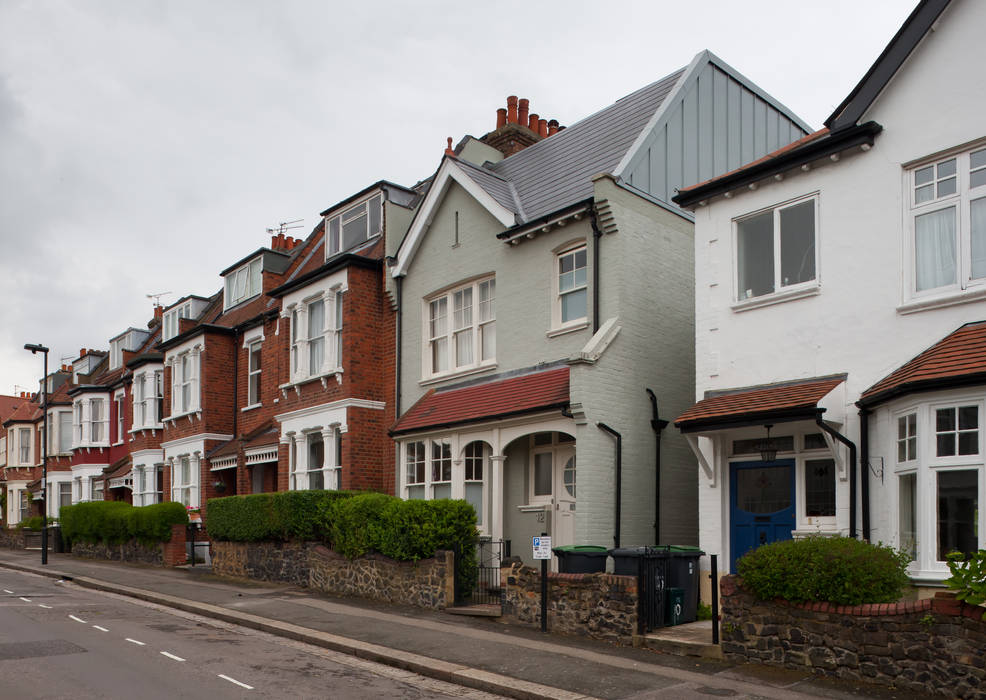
column 523, row 109
column 158, row 311
column 512, row 109
column 82, row 352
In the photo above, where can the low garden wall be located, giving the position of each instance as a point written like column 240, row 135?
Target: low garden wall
column 933, row 646
column 601, row 606
column 170, row 553
column 12, row 538
column 426, row 583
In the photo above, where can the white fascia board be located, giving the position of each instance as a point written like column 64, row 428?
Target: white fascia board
column 332, row 406
column 700, row 59
column 448, row 172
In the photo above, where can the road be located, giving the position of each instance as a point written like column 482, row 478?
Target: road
column 61, row 641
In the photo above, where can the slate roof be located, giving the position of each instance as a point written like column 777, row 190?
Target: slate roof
column 493, row 399
column 790, row 401
column 556, row 172
column 958, row 359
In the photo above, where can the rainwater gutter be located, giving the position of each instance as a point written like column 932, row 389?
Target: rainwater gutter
column 619, row 479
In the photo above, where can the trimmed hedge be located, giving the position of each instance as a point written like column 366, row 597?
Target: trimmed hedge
column 32, row 523
column 280, row 516
column 838, row 570
column 115, row 522
column 352, row 524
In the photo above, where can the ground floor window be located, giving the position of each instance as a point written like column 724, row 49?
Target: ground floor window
column 438, row 468
column 64, row 494
column 477, row 453
column 184, row 481
column 819, row 488
column 958, row 512
column 25, row 503
column 315, row 460
column 907, row 488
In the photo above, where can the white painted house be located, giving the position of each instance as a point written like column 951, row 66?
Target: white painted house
column 822, row 271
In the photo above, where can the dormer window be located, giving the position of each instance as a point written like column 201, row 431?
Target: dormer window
column 116, row 353
column 129, row 341
column 243, row 283
column 354, row 226
column 170, row 322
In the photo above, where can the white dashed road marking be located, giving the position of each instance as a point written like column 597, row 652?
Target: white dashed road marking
column 172, row 656
column 101, row 629
column 42, row 605
column 78, row 620
column 6, row 591
column 26, row 600
column 134, row 641
column 233, row 680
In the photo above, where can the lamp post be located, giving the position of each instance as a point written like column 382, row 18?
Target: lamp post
column 35, row 348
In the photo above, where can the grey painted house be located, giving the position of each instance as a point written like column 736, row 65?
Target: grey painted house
column 549, row 291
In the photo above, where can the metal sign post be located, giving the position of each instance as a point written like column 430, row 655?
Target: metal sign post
column 542, row 551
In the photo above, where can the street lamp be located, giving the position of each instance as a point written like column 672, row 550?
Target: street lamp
column 35, row 348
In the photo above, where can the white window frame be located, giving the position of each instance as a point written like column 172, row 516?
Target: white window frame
column 139, row 395
column 254, row 374
column 457, row 323
column 571, row 248
column 119, row 399
column 170, row 321
column 185, row 373
column 185, row 491
column 961, row 200
column 25, row 448
column 335, row 224
column 63, row 444
column 98, row 422
column 781, row 291
column 243, row 283
column 301, row 340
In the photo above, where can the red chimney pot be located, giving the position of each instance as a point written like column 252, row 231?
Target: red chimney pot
column 448, row 148
column 524, row 108
column 512, row 109
column 532, row 123
column 280, row 241
column 552, row 127
column 543, row 128
column 501, row 117
column 82, row 352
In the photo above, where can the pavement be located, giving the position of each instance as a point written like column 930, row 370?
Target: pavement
column 482, row 653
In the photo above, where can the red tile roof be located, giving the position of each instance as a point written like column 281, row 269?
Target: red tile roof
column 8, row 404
column 494, row 399
column 814, row 136
column 959, row 358
column 761, row 403
column 25, row 413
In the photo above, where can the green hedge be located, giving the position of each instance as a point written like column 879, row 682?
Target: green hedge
column 32, row 523
column 281, row 516
column 115, row 522
column 352, row 524
column 835, row 569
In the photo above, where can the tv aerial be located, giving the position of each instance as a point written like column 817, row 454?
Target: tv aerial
column 157, row 297
column 285, row 226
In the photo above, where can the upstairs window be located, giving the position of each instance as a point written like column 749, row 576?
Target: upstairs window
column 243, row 283
column 116, row 353
column 947, row 214
column 170, row 324
column 354, row 226
column 573, row 285
column 140, row 406
column 64, row 432
column 315, row 338
column 24, row 444
column 253, row 380
column 185, row 383
column 461, row 328
column 775, row 250
column 118, row 406
column 97, row 416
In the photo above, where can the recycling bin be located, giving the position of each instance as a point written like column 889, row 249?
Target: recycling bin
column 581, row 558
column 674, row 615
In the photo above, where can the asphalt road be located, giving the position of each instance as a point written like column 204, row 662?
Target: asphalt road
column 60, row 641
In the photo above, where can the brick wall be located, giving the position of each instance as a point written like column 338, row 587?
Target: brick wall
column 933, row 646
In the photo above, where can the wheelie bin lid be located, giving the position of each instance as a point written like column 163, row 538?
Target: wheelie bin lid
column 580, row 549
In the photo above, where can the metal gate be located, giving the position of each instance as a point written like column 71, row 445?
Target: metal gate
column 652, row 578
column 486, row 589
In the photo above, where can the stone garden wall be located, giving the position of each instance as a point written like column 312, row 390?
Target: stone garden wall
column 601, row 606
column 11, row 538
column 935, row 646
column 171, row 553
column 427, row 583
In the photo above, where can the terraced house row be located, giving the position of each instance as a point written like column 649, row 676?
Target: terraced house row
column 518, row 328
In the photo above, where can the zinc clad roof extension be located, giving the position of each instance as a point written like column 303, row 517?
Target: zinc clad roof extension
column 557, row 171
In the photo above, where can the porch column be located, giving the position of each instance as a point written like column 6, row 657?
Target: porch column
column 496, row 497
column 301, row 461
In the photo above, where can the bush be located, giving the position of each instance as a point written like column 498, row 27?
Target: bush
column 968, row 577
column 280, row 516
column 115, row 522
column 404, row 530
column 839, row 570
column 32, row 523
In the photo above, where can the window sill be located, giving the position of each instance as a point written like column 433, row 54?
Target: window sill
column 938, row 301
column 175, row 416
column 562, row 330
column 775, row 298
column 435, row 379
column 250, row 407
column 296, row 384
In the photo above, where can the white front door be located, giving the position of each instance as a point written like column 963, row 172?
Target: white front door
column 563, row 520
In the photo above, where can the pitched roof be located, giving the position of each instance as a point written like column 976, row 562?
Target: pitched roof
column 8, row 404
column 26, row 412
column 956, row 360
column 787, row 401
column 498, row 398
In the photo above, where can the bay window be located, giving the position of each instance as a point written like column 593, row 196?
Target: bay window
column 958, row 511
column 316, row 339
column 253, row 374
column 24, row 445
column 414, row 461
column 184, row 481
column 118, row 406
column 97, row 421
column 461, row 328
column 64, row 432
column 775, row 249
column 441, row 469
column 185, row 383
column 477, row 454
column 947, row 214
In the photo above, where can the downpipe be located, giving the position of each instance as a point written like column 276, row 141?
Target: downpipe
column 619, row 480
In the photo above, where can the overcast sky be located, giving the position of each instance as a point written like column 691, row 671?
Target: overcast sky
column 145, row 145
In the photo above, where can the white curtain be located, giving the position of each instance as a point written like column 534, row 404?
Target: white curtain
column 977, row 215
column 934, row 249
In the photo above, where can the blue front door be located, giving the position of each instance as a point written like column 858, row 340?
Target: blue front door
column 762, row 505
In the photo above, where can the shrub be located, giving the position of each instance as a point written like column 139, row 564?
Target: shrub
column 281, row 516
column 115, row 522
column 839, row 570
column 32, row 523
column 968, row 577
